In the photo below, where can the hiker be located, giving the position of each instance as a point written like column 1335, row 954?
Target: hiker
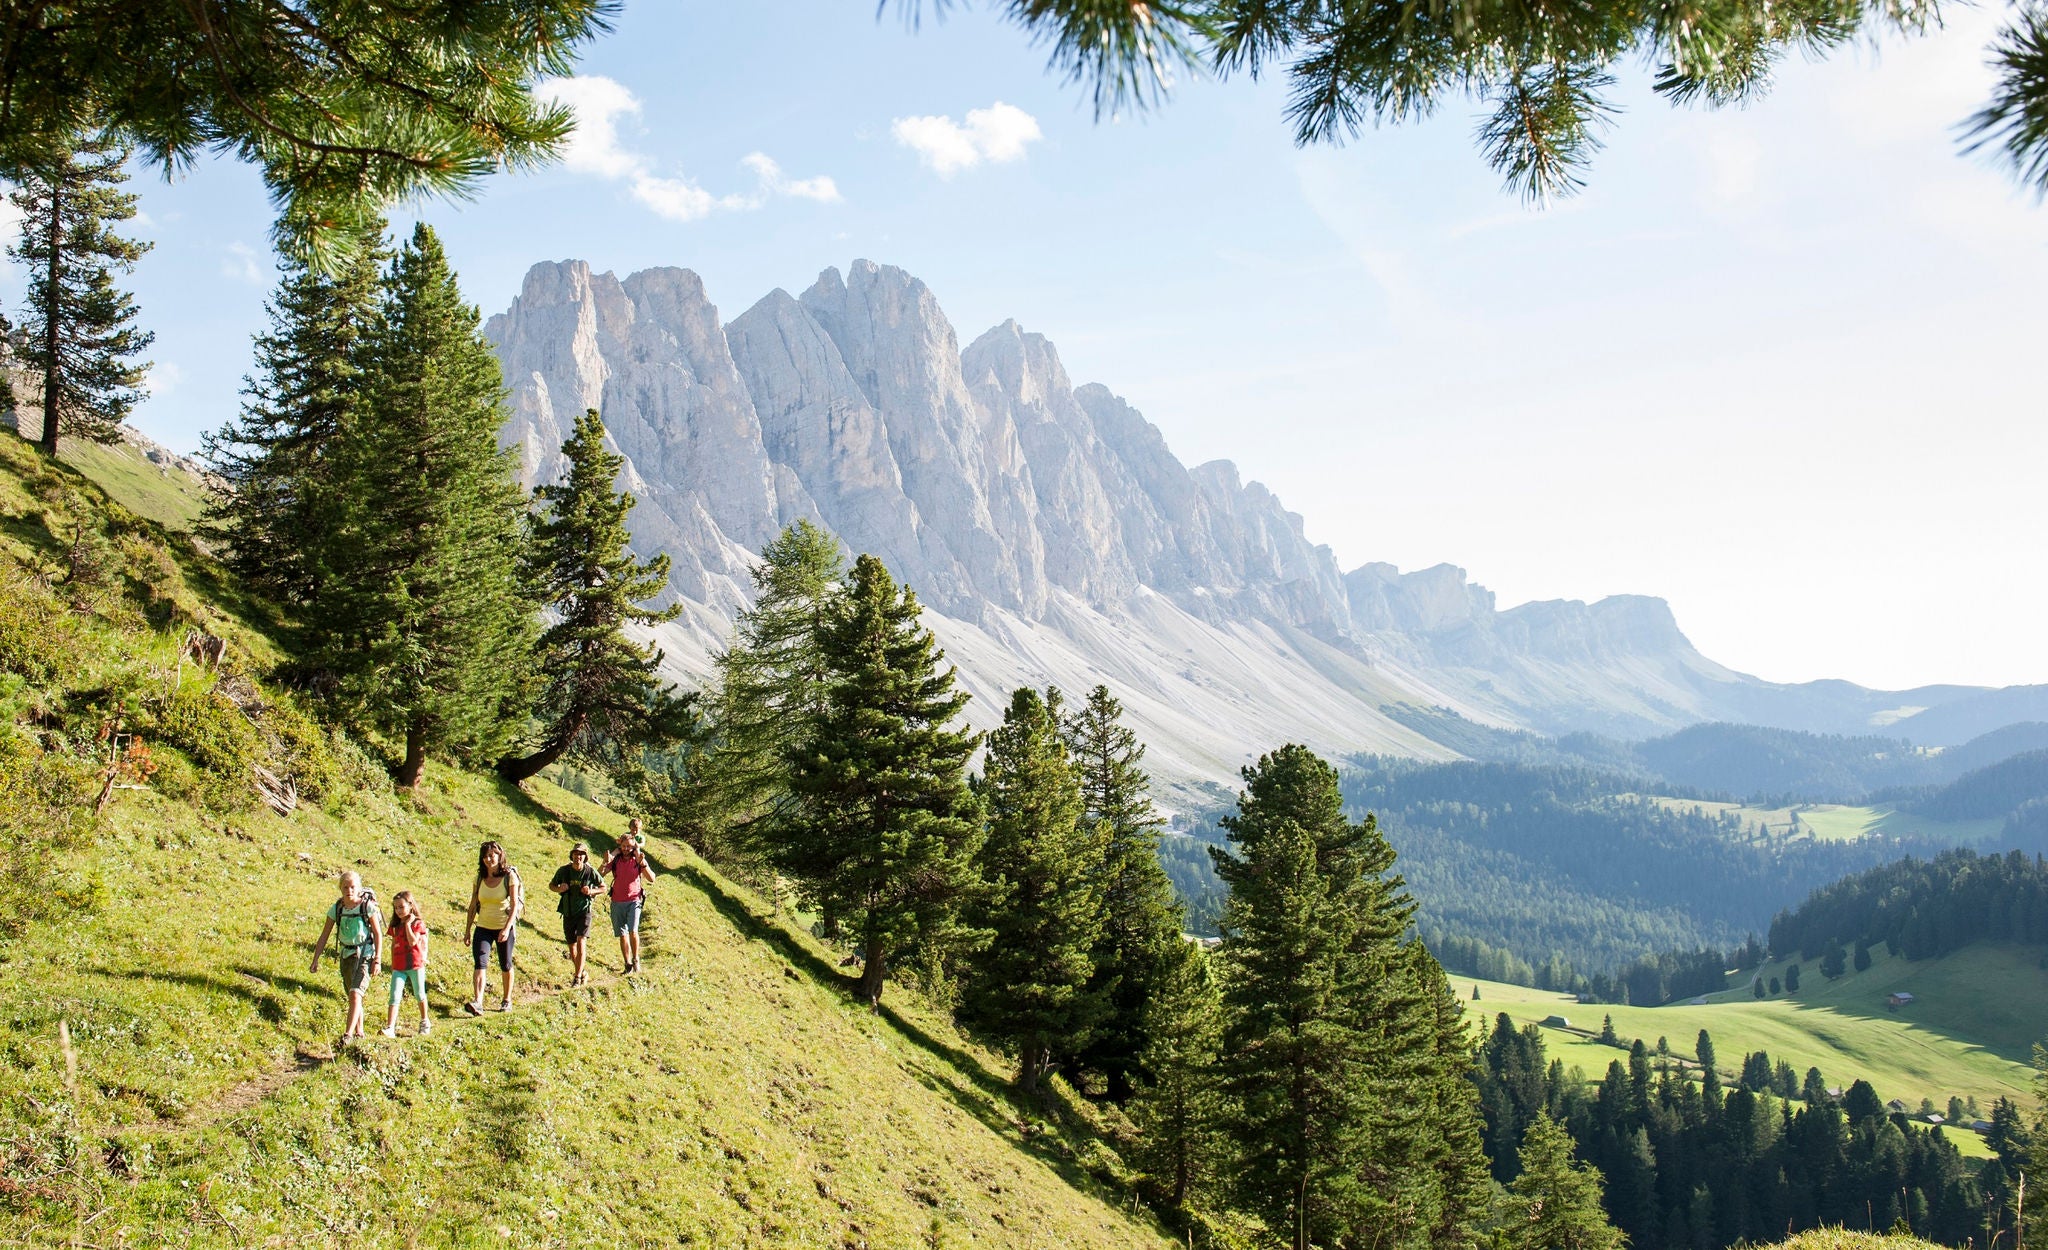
column 577, row 882
column 408, row 961
column 495, row 902
column 354, row 921
column 627, row 867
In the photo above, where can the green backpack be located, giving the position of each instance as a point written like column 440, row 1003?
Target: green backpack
column 354, row 930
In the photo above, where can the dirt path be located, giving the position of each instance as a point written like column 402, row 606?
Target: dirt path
column 247, row 1093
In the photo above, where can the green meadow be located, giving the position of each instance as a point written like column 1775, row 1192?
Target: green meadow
column 1968, row 1033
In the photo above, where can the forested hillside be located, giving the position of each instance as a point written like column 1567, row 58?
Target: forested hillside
column 1922, row 908
column 1568, row 860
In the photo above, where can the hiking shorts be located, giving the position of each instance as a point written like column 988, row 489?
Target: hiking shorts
column 575, row 926
column 408, row 978
column 355, row 973
column 481, row 941
column 625, row 917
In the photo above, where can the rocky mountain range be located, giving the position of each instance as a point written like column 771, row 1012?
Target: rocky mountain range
column 1053, row 536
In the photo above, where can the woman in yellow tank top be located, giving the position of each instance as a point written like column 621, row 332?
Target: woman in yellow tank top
column 495, row 902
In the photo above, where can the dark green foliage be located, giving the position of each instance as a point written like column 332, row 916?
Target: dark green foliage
column 730, row 797
column 1453, row 1152
column 1542, row 72
column 1860, row 1102
column 1757, row 1075
column 1556, row 1201
column 346, row 108
column 1141, row 922
column 1757, row 988
column 1861, row 960
column 1685, row 1172
column 1179, row 1109
column 1994, row 790
column 1041, row 904
column 279, row 502
column 1528, row 861
column 884, row 831
column 1607, row 1034
column 422, row 624
column 79, row 335
column 601, row 701
column 1328, row 1043
column 1922, row 908
column 1792, row 979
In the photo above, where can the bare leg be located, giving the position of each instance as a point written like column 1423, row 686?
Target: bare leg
column 635, row 938
column 355, row 1014
column 506, row 977
column 625, row 951
column 476, row 996
column 577, row 950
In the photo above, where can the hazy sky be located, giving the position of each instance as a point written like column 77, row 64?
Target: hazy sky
column 1782, row 366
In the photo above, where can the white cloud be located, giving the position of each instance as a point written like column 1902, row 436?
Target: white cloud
column 595, row 148
column 775, row 182
column 163, row 378
column 996, row 134
column 243, row 265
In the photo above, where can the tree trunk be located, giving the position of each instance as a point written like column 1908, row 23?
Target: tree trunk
column 874, row 973
column 52, row 376
column 415, row 756
column 517, row 768
column 1030, row 1062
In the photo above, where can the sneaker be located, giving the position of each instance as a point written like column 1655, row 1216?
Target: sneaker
column 426, row 1027
column 504, row 1004
column 389, row 1031
column 474, row 1009
column 343, row 1043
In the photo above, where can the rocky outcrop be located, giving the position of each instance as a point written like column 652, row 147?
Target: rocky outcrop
column 1049, row 527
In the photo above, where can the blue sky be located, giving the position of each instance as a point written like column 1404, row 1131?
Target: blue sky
column 1779, row 365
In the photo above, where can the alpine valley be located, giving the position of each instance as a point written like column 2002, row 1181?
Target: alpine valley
column 1053, row 537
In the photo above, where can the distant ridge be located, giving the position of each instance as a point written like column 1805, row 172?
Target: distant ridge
column 1056, row 538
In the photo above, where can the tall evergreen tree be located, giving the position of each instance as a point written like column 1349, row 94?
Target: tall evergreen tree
column 1454, row 1149
column 1141, row 919
column 602, row 698
column 424, row 626
column 1328, row 1041
column 1555, row 1202
column 80, row 332
column 1042, row 905
column 731, row 799
column 1179, row 1108
column 885, row 831
column 275, row 462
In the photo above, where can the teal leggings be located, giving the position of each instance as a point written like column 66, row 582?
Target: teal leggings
column 416, row 977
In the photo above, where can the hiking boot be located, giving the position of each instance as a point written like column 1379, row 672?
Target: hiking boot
column 474, row 1009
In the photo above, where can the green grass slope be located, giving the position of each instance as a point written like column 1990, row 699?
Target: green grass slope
column 732, row 1095
column 1969, row 1033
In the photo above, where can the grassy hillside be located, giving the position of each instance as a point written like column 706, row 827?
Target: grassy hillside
column 1836, row 822
column 732, row 1095
column 1977, row 1014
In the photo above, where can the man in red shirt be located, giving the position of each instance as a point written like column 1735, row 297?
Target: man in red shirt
column 628, row 869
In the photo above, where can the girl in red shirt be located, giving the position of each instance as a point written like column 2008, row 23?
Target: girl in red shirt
column 408, row 961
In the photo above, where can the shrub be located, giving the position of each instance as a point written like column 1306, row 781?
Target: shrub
column 218, row 739
column 45, row 816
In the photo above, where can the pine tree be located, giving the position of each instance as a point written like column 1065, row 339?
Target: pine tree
column 602, row 698
column 1327, row 1042
column 279, row 503
column 424, row 627
column 1555, row 1202
column 885, row 828
column 1141, row 919
column 1043, row 903
column 80, row 333
column 1454, row 1151
column 1179, row 1109
column 731, row 800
